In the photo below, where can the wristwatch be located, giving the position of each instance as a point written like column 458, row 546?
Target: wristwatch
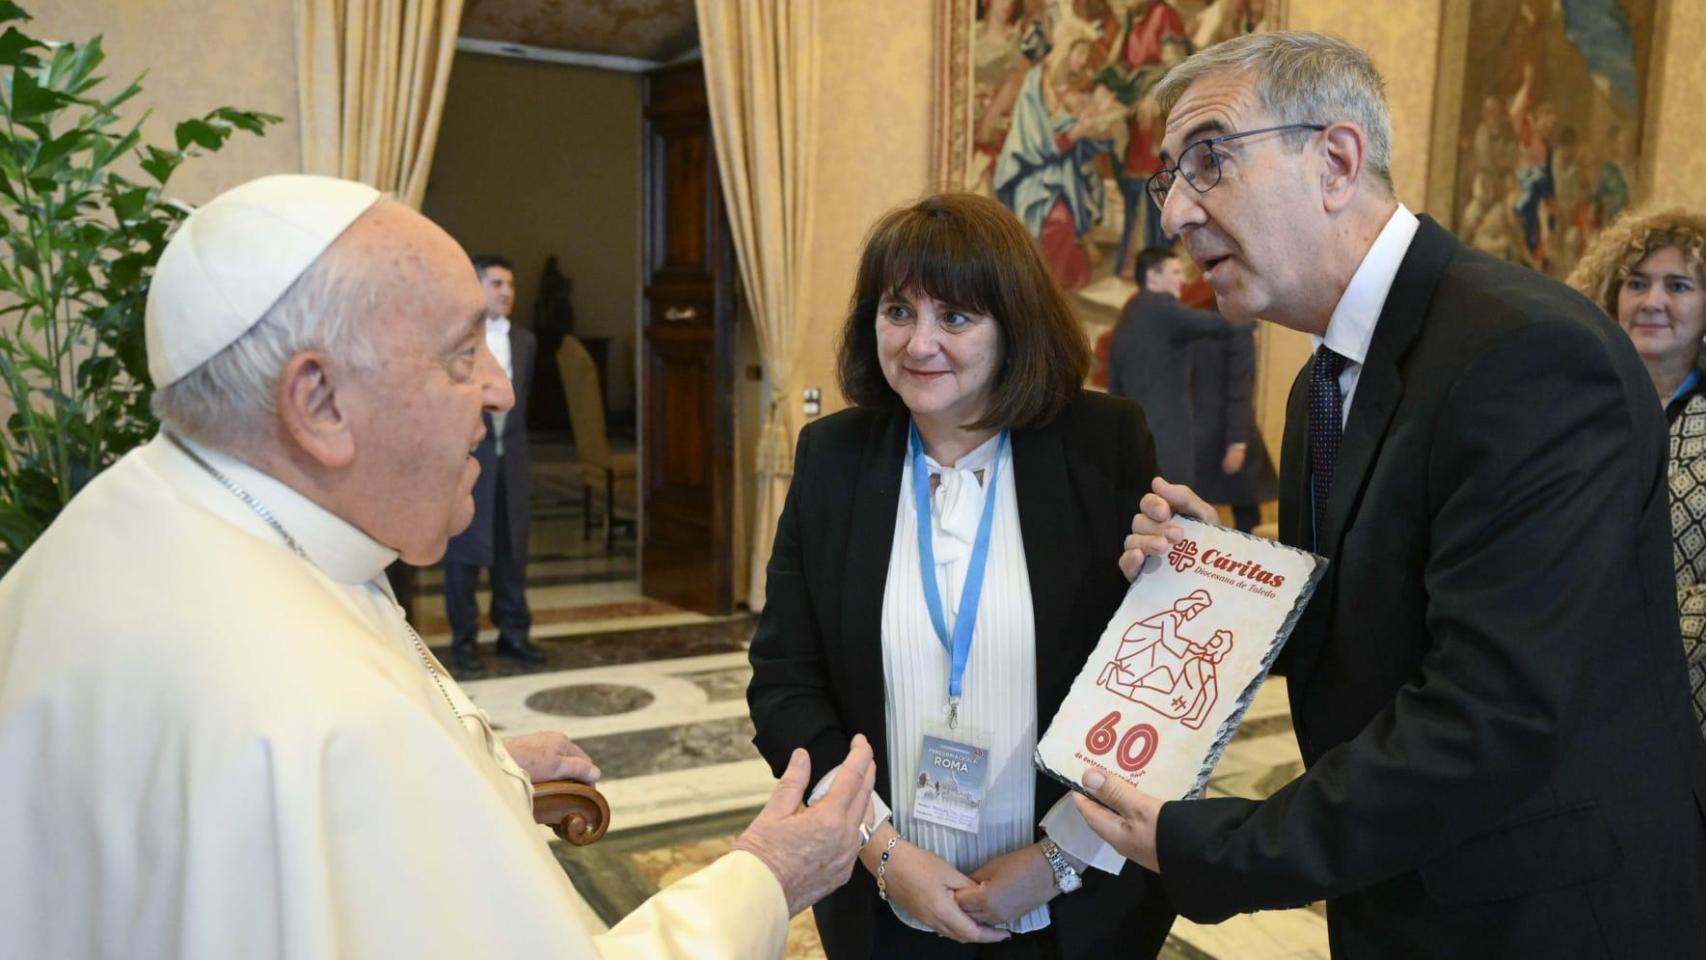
column 1066, row 878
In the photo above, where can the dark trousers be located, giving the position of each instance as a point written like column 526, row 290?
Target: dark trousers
column 894, row 940
column 509, row 586
column 1245, row 516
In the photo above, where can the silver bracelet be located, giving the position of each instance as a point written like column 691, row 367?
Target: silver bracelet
column 883, row 869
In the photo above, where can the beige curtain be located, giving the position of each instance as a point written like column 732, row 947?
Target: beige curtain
column 371, row 76
column 761, row 75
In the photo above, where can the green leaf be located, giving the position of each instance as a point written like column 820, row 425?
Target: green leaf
column 131, row 204
column 15, row 47
column 111, row 147
column 75, row 74
column 11, row 11
column 31, row 100
column 56, row 150
column 18, row 529
column 159, row 163
column 201, row 133
column 253, row 121
column 122, row 96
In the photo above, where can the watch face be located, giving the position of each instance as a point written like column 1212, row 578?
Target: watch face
column 1068, row 881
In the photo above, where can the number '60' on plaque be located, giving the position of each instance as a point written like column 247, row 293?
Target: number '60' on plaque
column 1172, row 675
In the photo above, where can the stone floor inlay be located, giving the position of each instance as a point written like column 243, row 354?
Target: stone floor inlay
column 721, row 685
column 668, row 749
column 590, row 700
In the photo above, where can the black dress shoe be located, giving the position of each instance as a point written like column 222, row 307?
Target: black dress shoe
column 521, row 650
column 465, row 657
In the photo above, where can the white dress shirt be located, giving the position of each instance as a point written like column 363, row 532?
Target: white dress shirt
column 497, row 340
column 1351, row 329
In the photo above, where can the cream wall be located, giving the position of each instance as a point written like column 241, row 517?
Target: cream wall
column 535, row 159
column 1675, row 170
column 198, row 56
column 873, row 152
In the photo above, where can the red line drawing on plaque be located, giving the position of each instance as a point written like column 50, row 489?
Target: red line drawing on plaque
column 1159, row 668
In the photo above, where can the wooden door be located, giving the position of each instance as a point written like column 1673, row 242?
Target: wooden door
column 687, row 364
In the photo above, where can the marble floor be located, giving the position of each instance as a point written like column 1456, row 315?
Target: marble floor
column 665, row 717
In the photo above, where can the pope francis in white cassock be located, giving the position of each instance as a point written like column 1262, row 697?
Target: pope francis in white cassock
column 218, row 735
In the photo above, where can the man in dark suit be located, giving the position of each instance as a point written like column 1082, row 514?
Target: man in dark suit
column 1487, row 686
column 1232, row 464
column 497, row 539
column 1149, row 360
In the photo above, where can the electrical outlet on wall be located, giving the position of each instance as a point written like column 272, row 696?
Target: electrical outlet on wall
column 813, row 401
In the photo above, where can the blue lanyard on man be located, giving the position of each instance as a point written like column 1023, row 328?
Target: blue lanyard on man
column 959, row 647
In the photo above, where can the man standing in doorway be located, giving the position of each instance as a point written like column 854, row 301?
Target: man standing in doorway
column 497, row 539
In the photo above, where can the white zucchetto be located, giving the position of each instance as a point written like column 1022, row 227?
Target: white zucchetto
column 234, row 257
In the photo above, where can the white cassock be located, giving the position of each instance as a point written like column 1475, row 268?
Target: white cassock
column 213, row 748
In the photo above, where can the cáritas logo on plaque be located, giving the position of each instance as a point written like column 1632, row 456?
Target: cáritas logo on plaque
column 1178, row 665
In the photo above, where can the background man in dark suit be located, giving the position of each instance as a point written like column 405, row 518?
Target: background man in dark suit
column 1487, row 687
column 1149, row 360
column 1232, row 464
column 497, row 539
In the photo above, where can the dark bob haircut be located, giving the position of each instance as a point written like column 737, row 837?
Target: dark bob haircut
column 971, row 252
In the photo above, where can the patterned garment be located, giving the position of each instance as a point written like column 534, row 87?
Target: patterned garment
column 1688, row 533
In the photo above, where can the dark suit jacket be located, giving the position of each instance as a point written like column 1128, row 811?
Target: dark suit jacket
column 475, row 544
column 1488, row 686
column 1223, row 378
column 1148, row 362
column 817, row 661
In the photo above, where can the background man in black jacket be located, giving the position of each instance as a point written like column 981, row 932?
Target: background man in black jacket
column 497, row 539
column 1149, row 357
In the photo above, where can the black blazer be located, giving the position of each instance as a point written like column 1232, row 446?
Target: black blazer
column 817, row 661
column 1223, row 380
column 1149, row 361
column 475, row 544
column 1488, row 686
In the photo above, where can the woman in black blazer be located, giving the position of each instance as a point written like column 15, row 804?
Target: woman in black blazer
column 957, row 337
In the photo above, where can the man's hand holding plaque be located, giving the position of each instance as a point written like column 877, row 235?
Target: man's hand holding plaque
column 1166, row 686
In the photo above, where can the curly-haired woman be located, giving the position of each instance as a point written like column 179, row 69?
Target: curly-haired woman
column 1648, row 270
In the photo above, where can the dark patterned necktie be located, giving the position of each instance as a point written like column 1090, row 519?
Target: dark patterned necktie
column 1326, row 424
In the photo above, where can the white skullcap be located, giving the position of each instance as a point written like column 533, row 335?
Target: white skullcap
column 232, row 259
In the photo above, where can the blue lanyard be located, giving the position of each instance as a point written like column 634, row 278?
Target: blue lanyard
column 959, row 648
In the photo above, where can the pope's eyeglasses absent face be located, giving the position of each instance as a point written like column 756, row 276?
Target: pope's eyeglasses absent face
column 419, row 413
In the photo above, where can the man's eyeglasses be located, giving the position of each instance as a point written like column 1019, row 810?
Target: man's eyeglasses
column 1200, row 162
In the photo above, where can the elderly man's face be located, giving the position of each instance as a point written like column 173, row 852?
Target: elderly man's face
column 416, row 417
column 1251, row 233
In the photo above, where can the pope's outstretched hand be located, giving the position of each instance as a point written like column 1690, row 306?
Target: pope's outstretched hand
column 811, row 850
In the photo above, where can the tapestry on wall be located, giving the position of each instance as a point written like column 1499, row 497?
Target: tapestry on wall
column 1046, row 105
column 1540, row 127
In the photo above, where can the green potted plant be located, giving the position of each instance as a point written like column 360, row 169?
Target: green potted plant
column 81, row 240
